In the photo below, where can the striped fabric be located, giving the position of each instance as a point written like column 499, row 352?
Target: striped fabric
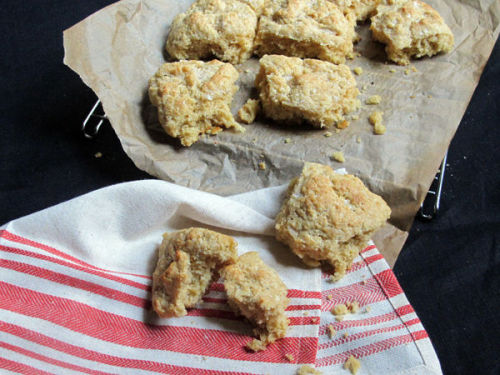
column 65, row 309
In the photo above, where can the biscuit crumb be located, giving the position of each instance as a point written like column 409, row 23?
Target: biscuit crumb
column 98, row 155
column 358, row 140
column 329, row 297
column 342, row 124
column 376, row 120
column 379, row 129
column 289, row 357
column 256, row 345
column 346, row 335
column 407, row 71
column 363, row 282
column 308, row 370
column 340, row 309
column 364, row 87
column 355, row 117
column 412, row 96
column 337, row 130
column 262, row 166
column 306, row 313
column 374, row 99
column 368, row 309
column 353, row 307
column 328, row 134
column 249, row 111
column 331, row 331
column 352, row 364
column 358, row 70
column 413, row 69
column 339, row 318
column 338, row 156
column 429, row 96
column 392, row 70
column 287, row 140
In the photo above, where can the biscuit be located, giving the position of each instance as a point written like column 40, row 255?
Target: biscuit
column 294, row 90
column 224, row 29
column 360, row 9
column 188, row 261
column 305, row 28
column 256, row 291
column 329, row 217
column 194, row 97
column 410, row 29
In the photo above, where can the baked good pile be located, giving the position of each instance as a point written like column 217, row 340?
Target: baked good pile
column 302, row 45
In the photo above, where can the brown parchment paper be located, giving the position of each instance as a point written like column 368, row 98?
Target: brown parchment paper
column 117, row 49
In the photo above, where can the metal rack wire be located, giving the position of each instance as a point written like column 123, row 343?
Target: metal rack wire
column 428, row 209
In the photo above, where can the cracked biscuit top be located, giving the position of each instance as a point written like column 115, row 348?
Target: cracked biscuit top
column 329, row 216
column 305, row 28
column 410, row 29
column 194, row 98
column 224, row 29
column 296, row 90
column 188, row 261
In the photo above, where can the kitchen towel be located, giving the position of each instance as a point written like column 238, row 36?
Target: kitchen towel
column 76, row 280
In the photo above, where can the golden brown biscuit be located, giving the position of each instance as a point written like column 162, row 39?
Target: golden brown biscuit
column 329, row 217
column 410, row 29
column 188, row 261
column 224, row 29
column 305, row 28
column 294, row 90
column 256, row 291
column 194, row 97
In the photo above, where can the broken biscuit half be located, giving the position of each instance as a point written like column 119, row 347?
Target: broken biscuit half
column 329, row 217
column 256, row 291
column 410, row 28
column 189, row 260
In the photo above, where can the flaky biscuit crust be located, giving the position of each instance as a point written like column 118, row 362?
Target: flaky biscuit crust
column 193, row 98
column 224, row 29
column 410, row 29
column 296, row 90
column 257, row 292
column 329, row 217
column 360, row 9
column 188, row 261
column 305, row 28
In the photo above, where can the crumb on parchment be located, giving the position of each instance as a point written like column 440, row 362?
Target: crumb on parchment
column 98, row 155
column 358, row 70
column 376, row 120
column 249, row 111
column 342, row 124
column 374, row 99
column 338, row 156
column 328, row 134
column 262, row 166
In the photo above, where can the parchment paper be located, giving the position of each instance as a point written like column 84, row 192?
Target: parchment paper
column 116, row 50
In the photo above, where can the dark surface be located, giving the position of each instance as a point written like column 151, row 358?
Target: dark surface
column 449, row 268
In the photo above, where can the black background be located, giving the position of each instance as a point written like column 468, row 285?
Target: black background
column 449, row 268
